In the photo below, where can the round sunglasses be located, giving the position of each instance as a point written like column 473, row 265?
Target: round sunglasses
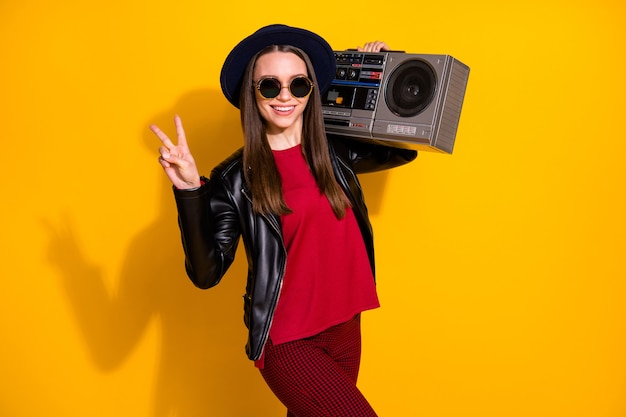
column 299, row 87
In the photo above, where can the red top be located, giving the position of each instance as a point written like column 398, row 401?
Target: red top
column 328, row 278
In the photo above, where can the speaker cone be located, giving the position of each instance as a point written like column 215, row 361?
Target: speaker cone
column 410, row 88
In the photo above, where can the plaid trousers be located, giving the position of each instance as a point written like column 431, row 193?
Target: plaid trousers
column 316, row 376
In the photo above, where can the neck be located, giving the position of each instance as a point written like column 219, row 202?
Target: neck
column 284, row 139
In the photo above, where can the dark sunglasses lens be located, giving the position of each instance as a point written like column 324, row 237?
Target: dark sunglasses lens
column 300, row 87
column 269, row 88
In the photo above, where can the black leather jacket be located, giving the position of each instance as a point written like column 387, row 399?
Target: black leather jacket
column 213, row 218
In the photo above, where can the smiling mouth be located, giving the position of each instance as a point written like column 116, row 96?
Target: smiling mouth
column 283, row 109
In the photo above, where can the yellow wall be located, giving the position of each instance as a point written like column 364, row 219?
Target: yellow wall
column 501, row 268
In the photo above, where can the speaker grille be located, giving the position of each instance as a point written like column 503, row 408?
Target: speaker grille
column 451, row 107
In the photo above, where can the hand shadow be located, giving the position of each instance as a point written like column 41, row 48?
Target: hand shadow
column 202, row 367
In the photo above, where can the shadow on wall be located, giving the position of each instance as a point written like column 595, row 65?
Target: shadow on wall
column 203, row 369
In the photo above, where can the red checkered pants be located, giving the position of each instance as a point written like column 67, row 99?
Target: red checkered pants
column 316, row 376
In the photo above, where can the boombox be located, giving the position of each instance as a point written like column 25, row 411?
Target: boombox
column 413, row 100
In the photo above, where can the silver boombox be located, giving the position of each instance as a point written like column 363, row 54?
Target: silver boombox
column 410, row 99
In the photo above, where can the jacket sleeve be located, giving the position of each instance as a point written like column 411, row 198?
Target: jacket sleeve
column 371, row 155
column 209, row 231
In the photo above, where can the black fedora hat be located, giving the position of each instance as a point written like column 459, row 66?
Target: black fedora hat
column 319, row 51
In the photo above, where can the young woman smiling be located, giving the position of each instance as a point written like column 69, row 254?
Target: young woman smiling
column 291, row 194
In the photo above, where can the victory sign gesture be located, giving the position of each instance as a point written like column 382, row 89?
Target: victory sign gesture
column 176, row 160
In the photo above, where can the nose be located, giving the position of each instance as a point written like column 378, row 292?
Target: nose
column 284, row 94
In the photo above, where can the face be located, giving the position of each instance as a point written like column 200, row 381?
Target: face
column 283, row 112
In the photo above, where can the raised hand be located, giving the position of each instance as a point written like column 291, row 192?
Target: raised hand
column 176, row 160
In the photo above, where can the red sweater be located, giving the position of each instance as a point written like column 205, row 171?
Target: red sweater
column 328, row 278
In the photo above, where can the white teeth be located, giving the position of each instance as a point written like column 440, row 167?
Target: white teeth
column 283, row 108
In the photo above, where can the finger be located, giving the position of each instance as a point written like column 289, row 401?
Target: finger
column 164, row 152
column 375, row 46
column 383, row 47
column 180, row 131
column 365, row 48
column 163, row 162
column 162, row 136
column 167, row 158
column 172, row 157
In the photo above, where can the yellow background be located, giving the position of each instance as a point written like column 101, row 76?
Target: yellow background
column 500, row 267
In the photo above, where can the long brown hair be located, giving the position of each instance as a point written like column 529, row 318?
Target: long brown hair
column 260, row 170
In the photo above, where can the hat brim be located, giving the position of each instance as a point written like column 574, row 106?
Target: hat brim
column 318, row 50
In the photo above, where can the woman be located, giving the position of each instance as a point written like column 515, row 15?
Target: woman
column 291, row 194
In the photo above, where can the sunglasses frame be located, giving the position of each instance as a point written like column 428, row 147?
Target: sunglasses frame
column 288, row 87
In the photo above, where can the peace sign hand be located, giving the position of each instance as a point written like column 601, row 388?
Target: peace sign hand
column 176, row 160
